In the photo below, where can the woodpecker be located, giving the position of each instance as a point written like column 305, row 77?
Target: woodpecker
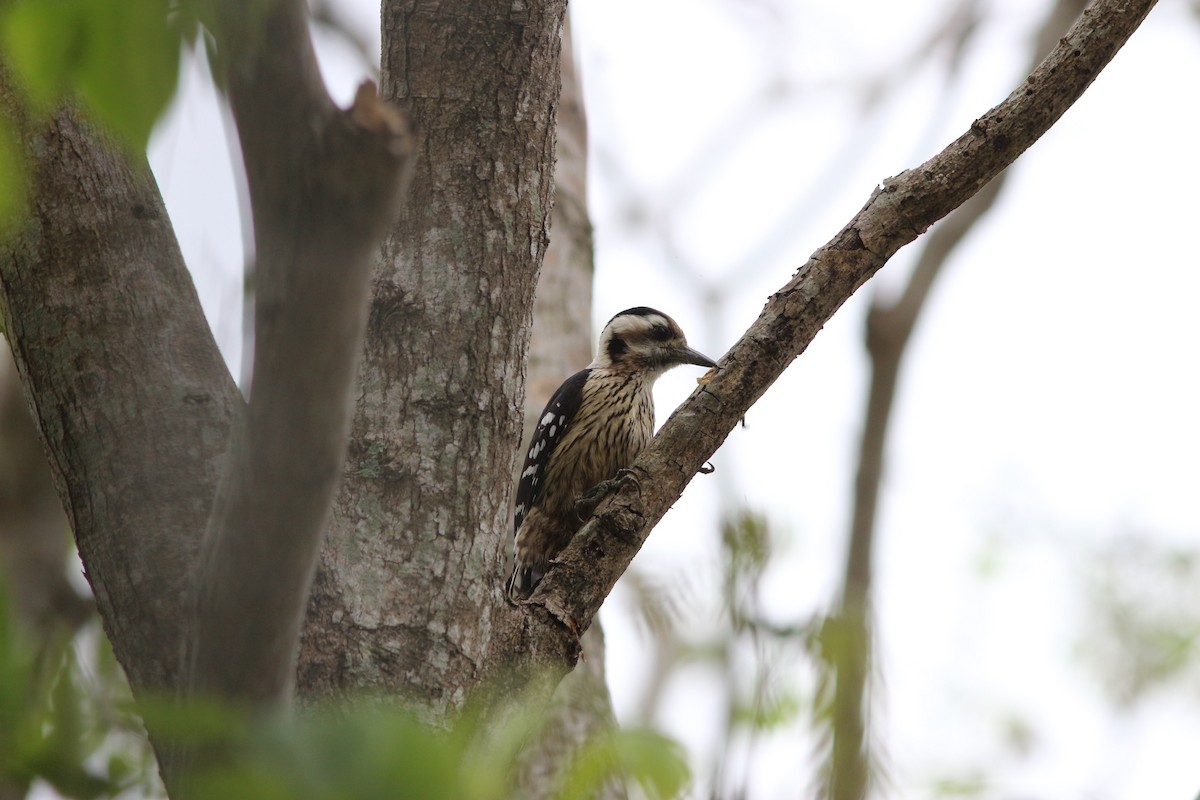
column 594, row 426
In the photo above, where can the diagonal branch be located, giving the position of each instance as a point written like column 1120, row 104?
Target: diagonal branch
column 132, row 401
column 898, row 211
column 889, row 328
column 324, row 186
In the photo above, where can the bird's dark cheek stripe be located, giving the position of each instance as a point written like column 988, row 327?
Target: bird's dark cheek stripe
column 616, row 348
column 594, row 426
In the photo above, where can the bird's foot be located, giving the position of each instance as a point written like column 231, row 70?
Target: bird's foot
column 585, row 505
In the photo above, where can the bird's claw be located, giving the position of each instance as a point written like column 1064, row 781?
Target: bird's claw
column 626, row 476
column 585, row 505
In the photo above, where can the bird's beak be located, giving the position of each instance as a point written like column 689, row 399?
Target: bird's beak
column 686, row 355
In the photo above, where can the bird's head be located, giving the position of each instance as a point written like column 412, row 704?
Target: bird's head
column 645, row 339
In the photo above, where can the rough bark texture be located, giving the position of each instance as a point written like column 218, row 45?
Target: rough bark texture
column 408, row 589
column 133, row 402
column 561, row 340
column 896, row 213
column 580, row 710
column 324, row 186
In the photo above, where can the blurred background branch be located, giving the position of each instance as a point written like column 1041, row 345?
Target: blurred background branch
column 889, row 329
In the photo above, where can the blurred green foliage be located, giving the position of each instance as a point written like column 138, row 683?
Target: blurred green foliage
column 367, row 752
column 120, row 59
column 780, row 675
column 67, row 719
column 655, row 763
column 12, row 178
column 117, row 61
column 1142, row 629
column 54, row 727
column 763, row 664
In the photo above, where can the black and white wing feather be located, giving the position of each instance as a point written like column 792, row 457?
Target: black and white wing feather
column 552, row 426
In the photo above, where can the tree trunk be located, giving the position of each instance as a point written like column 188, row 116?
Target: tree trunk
column 407, row 594
column 34, row 535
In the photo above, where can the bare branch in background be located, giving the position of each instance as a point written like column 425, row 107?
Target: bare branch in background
column 899, row 211
column 889, row 328
column 952, row 36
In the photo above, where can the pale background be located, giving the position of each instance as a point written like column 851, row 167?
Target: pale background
column 1048, row 407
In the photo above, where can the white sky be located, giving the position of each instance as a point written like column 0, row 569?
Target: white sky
column 1049, row 397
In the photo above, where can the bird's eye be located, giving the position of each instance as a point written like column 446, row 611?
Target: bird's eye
column 660, row 333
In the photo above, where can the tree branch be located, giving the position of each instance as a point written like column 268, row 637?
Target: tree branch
column 132, row 400
column 898, row 211
column 324, row 186
column 889, row 328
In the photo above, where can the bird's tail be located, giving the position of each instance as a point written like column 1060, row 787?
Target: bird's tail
column 522, row 582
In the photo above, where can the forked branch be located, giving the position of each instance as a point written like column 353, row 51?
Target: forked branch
column 325, row 184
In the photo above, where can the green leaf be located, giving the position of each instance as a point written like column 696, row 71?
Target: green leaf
column 43, row 43
column 653, row 761
column 120, row 770
column 645, row 757
column 13, row 180
column 120, row 56
column 130, row 66
column 257, row 781
column 770, row 712
column 202, row 722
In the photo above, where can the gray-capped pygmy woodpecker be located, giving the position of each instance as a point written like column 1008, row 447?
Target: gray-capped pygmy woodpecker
column 594, row 426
